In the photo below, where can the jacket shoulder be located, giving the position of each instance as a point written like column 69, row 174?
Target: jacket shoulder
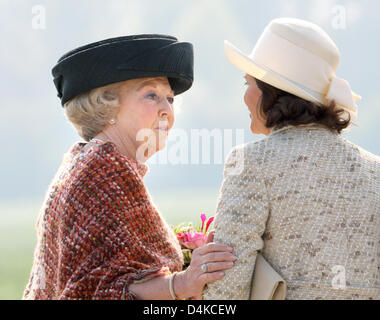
column 254, row 149
column 364, row 154
column 247, row 155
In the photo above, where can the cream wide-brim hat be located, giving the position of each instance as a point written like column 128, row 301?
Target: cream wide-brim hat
column 298, row 57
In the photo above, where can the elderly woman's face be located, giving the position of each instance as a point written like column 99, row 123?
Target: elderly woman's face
column 252, row 99
column 146, row 110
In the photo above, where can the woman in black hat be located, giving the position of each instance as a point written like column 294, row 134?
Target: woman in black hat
column 99, row 235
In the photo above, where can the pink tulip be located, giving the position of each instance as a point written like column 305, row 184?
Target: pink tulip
column 193, row 240
column 208, row 223
column 180, row 236
column 203, row 218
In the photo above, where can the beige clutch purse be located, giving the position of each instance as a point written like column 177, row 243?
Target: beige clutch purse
column 266, row 284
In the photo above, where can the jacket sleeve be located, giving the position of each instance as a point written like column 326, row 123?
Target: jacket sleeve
column 241, row 215
column 103, row 247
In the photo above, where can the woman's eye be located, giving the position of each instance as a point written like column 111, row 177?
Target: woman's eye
column 152, row 96
column 171, row 100
column 246, row 83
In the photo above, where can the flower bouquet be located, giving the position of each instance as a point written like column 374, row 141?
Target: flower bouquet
column 191, row 237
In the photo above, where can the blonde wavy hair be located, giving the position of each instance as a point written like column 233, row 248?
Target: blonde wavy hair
column 90, row 112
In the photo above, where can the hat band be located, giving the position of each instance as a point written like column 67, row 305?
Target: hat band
column 339, row 90
column 293, row 62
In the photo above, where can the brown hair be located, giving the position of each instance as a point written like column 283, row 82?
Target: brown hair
column 281, row 109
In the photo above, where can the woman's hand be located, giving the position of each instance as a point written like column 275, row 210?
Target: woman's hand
column 217, row 257
column 210, row 237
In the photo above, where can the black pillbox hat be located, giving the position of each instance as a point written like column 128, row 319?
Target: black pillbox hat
column 124, row 58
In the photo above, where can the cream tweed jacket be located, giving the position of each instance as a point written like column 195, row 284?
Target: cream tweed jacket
column 309, row 201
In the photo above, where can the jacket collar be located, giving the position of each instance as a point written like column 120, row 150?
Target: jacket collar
column 302, row 126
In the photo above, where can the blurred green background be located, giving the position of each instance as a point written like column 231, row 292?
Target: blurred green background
column 18, row 236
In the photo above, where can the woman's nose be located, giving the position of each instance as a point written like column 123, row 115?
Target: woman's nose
column 166, row 109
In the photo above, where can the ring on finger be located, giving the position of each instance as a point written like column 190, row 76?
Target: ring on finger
column 204, row 267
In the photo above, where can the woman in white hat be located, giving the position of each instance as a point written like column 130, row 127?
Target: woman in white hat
column 304, row 197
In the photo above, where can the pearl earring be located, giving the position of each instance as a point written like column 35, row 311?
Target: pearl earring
column 112, row 121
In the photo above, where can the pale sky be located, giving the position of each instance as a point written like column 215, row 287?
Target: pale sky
column 34, row 133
